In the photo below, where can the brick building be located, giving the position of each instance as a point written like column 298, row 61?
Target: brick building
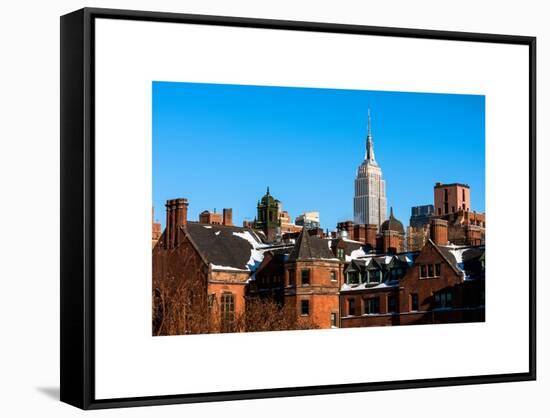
column 389, row 238
column 312, row 280
column 206, row 277
column 200, row 268
column 439, row 284
column 213, row 218
column 286, row 225
column 450, row 198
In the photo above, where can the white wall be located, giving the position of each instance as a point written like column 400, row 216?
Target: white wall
column 29, row 173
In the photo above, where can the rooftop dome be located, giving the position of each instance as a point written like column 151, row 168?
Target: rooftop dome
column 392, row 224
column 267, row 199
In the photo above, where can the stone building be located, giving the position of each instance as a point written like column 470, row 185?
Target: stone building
column 421, row 215
column 369, row 202
column 308, row 219
column 267, row 219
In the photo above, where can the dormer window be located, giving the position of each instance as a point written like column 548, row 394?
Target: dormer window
column 374, row 276
column 352, row 277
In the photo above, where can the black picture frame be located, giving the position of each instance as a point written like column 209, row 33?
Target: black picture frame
column 77, row 207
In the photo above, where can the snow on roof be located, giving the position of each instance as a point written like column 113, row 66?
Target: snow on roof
column 256, row 252
column 218, row 267
column 358, row 253
column 364, row 286
column 351, row 240
column 457, row 252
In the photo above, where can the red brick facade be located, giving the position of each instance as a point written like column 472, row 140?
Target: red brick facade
column 309, row 276
column 432, row 291
column 450, row 198
column 311, row 289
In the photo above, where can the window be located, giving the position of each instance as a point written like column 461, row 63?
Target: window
column 332, row 276
column 443, row 299
column 423, row 270
column 374, row 276
column 340, row 253
column 391, row 304
column 227, row 312
column 291, row 277
column 430, row 270
column 305, row 277
column 439, row 211
column 304, row 307
column 372, row 306
column 352, row 277
column 351, row 307
column 333, row 319
column 414, row 301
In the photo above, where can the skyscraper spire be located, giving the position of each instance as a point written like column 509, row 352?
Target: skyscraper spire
column 369, row 152
column 369, row 201
column 368, row 124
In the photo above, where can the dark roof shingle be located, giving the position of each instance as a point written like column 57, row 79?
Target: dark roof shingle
column 310, row 247
column 227, row 246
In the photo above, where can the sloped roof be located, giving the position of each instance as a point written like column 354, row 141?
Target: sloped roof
column 447, row 254
column 392, row 224
column 226, row 247
column 310, row 247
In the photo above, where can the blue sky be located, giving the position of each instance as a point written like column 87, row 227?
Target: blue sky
column 222, row 145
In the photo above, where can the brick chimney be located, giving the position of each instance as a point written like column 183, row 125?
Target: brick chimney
column 348, row 227
column 439, row 231
column 228, row 216
column 176, row 216
column 371, row 235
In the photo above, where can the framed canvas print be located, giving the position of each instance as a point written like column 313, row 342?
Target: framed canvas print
column 257, row 208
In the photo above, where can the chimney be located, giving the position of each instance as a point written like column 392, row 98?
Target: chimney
column 371, row 235
column 439, row 231
column 176, row 216
column 228, row 216
column 348, row 227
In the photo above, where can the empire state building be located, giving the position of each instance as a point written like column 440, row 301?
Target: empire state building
column 369, row 203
